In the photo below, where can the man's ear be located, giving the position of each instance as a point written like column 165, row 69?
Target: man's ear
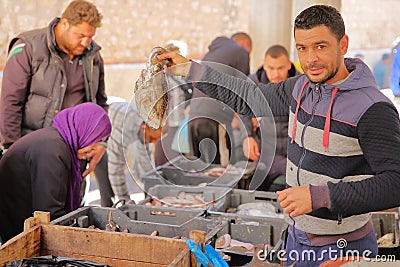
column 289, row 66
column 64, row 23
column 344, row 44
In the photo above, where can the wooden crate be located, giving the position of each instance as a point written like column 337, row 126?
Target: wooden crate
column 115, row 249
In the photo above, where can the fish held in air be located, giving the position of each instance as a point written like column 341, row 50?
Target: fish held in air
column 151, row 90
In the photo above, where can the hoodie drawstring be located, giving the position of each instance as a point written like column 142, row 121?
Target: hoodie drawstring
column 325, row 139
column 297, row 110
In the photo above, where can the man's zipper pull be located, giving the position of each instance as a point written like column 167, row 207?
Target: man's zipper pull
column 340, row 219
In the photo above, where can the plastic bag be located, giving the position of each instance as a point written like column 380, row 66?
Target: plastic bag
column 54, row 261
column 209, row 256
column 180, row 143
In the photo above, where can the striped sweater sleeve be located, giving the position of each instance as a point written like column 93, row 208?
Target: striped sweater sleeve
column 379, row 137
column 243, row 96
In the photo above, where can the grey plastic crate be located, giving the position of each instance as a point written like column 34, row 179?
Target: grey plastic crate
column 185, row 172
column 384, row 223
column 214, row 197
column 237, row 197
column 255, row 230
column 251, row 229
column 144, row 220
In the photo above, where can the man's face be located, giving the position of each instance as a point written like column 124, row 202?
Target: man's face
column 320, row 54
column 74, row 39
column 277, row 69
column 151, row 135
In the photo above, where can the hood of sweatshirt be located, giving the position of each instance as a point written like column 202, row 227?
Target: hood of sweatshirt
column 220, row 42
column 345, row 101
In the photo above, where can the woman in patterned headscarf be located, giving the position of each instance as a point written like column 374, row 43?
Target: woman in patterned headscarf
column 41, row 171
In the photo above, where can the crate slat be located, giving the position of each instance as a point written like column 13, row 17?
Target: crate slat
column 25, row 245
column 122, row 246
column 115, row 249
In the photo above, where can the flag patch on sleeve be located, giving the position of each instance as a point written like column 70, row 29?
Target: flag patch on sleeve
column 15, row 50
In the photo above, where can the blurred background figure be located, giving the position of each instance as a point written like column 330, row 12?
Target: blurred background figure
column 141, row 152
column 362, row 57
column 380, row 69
column 233, row 52
column 394, row 79
column 276, row 68
column 180, row 93
column 130, row 146
column 125, row 121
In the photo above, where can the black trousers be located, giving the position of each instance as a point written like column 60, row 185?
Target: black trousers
column 200, row 129
column 101, row 173
column 278, row 168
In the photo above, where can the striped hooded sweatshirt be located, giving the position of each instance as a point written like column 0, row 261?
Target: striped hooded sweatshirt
column 343, row 141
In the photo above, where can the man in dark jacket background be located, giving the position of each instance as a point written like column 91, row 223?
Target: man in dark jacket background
column 51, row 69
column 204, row 111
column 276, row 68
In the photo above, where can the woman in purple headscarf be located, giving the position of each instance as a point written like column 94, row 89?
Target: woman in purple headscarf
column 41, row 171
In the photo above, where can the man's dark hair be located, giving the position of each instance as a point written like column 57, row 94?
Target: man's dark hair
column 321, row 15
column 79, row 11
column 241, row 36
column 276, row 51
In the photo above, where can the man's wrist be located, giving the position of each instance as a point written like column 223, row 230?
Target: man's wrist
column 320, row 197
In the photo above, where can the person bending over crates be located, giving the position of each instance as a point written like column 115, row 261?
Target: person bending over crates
column 41, row 170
